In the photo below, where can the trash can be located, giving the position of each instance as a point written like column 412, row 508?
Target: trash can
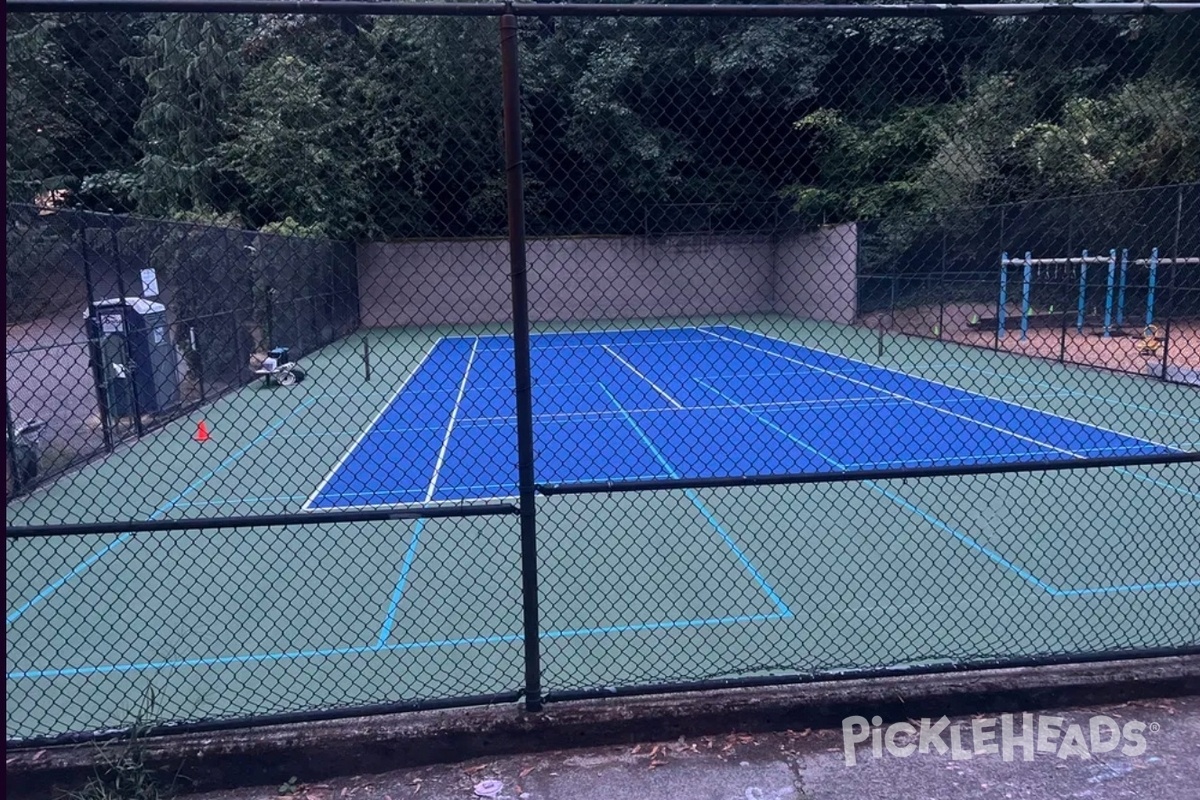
column 134, row 358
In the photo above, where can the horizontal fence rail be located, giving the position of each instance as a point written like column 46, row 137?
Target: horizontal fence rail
column 865, row 11
column 375, row 357
column 604, row 487
column 265, row 521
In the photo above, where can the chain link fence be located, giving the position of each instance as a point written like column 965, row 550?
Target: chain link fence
column 1107, row 268
column 439, row 355
column 117, row 325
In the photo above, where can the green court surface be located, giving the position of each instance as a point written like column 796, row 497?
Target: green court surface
column 636, row 588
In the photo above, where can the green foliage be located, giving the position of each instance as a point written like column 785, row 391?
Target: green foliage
column 40, row 271
column 648, row 112
column 290, row 227
column 1142, row 134
column 378, row 127
column 868, row 169
column 37, row 128
column 191, row 69
column 123, row 772
column 289, row 787
column 70, row 102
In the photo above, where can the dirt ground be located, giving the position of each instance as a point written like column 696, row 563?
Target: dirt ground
column 1048, row 339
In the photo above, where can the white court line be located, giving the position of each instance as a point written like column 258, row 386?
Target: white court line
column 913, row 400
column 1064, row 391
column 915, row 377
column 535, row 334
column 771, row 373
column 370, row 425
column 569, row 415
column 766, row 421
column 462, row 388
column 635, row 371
column 832, row 401
column 461, row 503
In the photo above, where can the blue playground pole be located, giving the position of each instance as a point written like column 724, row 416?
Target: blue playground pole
column 1153, row 280
column 1108, row 293
column 1082, row 292
column 1025, row 284
column 1121, row 291
column 1003, row 294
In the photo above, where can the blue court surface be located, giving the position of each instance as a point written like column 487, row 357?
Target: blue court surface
column 697, row 402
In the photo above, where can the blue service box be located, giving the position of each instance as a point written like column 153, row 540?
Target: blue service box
column 135, row 360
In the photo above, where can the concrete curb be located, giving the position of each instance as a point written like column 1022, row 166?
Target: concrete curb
column 363, row 745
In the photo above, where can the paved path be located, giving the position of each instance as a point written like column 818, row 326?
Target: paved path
column 812, row 765
column 48, row 378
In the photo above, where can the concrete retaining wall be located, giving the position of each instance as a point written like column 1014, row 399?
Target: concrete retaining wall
column 811, row 275
column 818, row 274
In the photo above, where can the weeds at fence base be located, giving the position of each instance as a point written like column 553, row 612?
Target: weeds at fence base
column 122, row 772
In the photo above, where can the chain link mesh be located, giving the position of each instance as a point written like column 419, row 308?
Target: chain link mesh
column 856, row 343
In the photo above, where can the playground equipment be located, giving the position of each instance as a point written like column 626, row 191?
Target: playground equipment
column 1117, row 281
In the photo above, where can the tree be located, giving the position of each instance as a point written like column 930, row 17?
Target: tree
column 192, row 67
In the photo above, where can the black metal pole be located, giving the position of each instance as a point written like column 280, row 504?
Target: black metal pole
column 1169, row 295
column 942, row 289
column 257, row 521
column 1062, row 337
column 241, row 373
column 366, row 357
column 10, row 446
column 95, row 332
column 298, row 321
column 817, row 10
column 195, row 342
column 858, row 476
column 522, row 372
column 892, row 311
column 1166, row 345
column 131, row 367
column 996, row 322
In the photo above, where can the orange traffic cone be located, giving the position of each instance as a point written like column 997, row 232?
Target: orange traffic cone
column 201, row 432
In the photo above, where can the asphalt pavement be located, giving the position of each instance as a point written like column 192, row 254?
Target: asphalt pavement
column 1142, row 749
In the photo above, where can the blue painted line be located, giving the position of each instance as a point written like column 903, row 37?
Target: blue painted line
column 1133, row 587
column 389, row 619
column 962, row 537
column 932, row 520
column 1024, row 573
column 1061, row 391
column 992, row 554
column 252, row 658
column 1155, row 481
column 158, row 513
column 62, row 579
column 699, row 504
column 232, row 501
column 472, row 641
column 767, row 421
column 737, row 551
column 671, row 625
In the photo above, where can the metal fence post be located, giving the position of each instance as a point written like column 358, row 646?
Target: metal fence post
column 94, row 331
column 522, row 372
column 10, row 445
column 131, row 366
column 941, row 323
